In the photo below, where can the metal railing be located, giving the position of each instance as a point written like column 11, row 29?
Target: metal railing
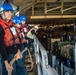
column 42, row 59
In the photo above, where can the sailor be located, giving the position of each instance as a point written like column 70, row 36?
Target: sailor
column 8, row 48
column 20, row 68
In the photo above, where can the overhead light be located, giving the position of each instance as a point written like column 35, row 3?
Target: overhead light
column 37, row 17
column 53, row 16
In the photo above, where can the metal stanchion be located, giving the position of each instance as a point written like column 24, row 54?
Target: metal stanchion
column 75, row 59
column 62, row 68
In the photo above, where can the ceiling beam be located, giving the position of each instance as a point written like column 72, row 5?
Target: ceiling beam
column 69, row 8
column 62, row 5
column 20, row 2
column 53, row 8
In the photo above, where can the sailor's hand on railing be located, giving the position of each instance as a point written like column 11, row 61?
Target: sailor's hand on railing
column 17, row 55
column 8, row 66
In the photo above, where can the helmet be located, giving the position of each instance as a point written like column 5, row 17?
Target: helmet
column 6, row 7
column 17, row 20
column 14, row 19
column 23, row 17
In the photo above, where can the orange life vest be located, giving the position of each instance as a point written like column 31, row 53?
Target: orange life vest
column 15, row 35
column 23, row 40
column 21, row 35
column 8, row 39
column 24, row 29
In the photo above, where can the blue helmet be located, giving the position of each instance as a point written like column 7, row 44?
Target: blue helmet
column 6, row 7
column 23, row 17
column 14, row 19
column 17, row 20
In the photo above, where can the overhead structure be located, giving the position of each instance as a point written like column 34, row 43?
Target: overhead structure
column 47, row 9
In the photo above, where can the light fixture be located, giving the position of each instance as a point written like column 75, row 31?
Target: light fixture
column 52, row 16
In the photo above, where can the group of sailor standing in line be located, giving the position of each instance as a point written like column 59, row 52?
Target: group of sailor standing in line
column 13, row 39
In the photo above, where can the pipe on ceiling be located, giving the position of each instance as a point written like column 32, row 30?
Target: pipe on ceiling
column 52, row 16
